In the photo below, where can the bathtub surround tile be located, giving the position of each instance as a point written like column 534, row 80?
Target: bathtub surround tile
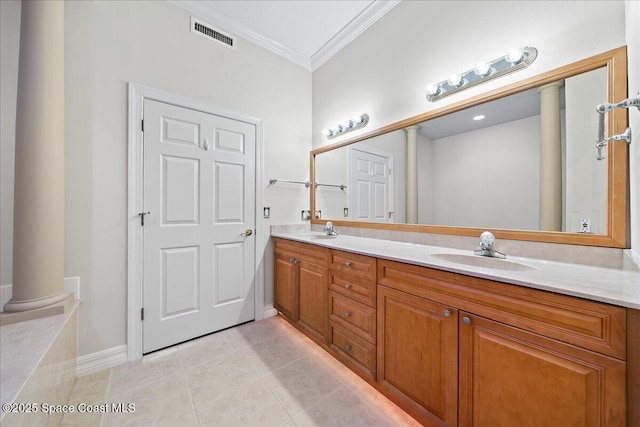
column 90, row 389
column 47, row 376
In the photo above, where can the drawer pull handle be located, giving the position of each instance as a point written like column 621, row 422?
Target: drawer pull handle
column 347, row 286
column 347, row 347
column 347, row 314
column 466, row 320
column 446, row 313
column 348, row 263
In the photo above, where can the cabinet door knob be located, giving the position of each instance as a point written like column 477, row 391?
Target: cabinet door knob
column 347, row 286
column 446, row 313
column 347, row 314
column 347, row 347
column 291, row 259
column 348, row 263
column 466, row 320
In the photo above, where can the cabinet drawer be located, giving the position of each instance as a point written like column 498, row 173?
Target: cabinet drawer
column 363, row 291
column 353, row 316
column 354, row 349
column 353, row 264
column 592, row 325
column 303, row 251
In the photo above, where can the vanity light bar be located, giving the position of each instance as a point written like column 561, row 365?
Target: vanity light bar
column 356, row 122
column 514, row 60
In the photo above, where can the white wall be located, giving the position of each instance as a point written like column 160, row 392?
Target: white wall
column 107, row 45
column 633, row 56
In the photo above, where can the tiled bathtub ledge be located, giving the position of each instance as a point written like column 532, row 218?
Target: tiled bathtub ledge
column 38, row 364
column 617, row 286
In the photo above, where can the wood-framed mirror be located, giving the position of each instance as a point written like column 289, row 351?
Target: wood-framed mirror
column 465, row 185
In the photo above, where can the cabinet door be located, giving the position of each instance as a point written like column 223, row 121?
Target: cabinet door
column 313, row 287
column 286, row 285
column 510, row 377
column 418, row 355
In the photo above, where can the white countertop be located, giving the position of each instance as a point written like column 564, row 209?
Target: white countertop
column 614, row 286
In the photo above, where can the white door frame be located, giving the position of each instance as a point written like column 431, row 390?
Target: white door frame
column 137, row 94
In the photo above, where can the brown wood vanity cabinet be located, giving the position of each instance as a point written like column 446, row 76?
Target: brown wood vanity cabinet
column 352, row 311
column 458, row 350
column 301, row 284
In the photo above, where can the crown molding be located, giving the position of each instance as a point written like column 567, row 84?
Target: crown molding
column 225, row 23
column 352, row 30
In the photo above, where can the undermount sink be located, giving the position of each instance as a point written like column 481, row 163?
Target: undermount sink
column 486, row 262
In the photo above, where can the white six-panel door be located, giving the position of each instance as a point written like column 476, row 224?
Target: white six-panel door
column 370, row 195
column 199, row 175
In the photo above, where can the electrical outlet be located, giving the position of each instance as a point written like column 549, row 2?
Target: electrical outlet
column 305, row 215
column 585, row 225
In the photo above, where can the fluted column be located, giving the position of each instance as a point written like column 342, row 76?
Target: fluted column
column 38, row 236
column 412, row 174
column 550, row 158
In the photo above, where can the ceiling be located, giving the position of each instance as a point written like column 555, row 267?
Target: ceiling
column 306, row 32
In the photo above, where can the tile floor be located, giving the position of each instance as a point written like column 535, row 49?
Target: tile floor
column 262, row 373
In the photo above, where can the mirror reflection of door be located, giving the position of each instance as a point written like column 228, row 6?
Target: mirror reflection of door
column 371, row 197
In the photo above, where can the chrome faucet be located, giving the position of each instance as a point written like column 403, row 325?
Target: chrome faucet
column 328, row 228
column 486, row 246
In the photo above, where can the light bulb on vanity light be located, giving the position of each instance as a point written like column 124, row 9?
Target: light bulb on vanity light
column 482, row 69
column 514, row 55
column 356, row 120
column 433, row 89
column 455, row 80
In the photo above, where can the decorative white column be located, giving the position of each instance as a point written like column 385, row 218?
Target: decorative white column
column 412, row 174
column 38, row 236
column 550, row 158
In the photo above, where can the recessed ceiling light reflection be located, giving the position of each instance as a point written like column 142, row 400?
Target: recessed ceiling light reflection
column 478, row 117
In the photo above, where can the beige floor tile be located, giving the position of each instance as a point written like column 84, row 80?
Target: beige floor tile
column 155, row 402
column 301, row 384
column 146, row 370
column 196, row 352
column 190, row 419
column 273, row 353
column 245, row 405
column 341, row 408
column 254, row 332
column 209, row 380
column 78, row 419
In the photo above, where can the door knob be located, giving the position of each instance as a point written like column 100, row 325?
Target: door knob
column 248, row 232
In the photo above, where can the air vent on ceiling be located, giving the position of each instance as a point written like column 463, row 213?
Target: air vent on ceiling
column 205, row 30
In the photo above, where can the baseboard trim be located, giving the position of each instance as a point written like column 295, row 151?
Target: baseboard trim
column 105, row 359
column 269, row 311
